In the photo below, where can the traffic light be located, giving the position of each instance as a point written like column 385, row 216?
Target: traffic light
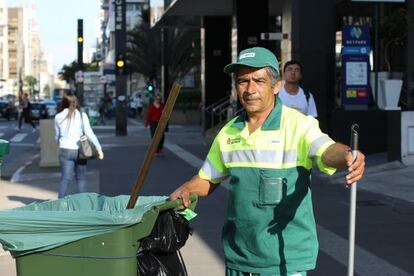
column 120, row 65
column 80, row 43
column 150, row 87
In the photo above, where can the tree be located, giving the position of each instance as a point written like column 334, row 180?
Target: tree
column 67, row 73
column 46, row 90
column 394, row 33
column 31, row 82
column 143, row 49
column 182, row 50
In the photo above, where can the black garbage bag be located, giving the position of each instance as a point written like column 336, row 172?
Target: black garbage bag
column 169, row 234
column 159, row 253
column 159, row 264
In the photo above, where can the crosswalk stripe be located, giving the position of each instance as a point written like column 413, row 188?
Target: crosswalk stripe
column 18, row 137
column 1, row 134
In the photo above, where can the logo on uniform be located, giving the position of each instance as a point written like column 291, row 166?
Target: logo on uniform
column 247, row 55
column 233, row 141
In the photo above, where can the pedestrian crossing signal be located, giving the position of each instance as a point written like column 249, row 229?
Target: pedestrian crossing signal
column 80, row 39
column 150, row 87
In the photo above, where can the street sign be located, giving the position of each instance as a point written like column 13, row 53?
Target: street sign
column 274, row 36
column 103, row 79
column 355, row 79
column 353, row 35
column 355, row 65
column 356, row 50
column 79, row 76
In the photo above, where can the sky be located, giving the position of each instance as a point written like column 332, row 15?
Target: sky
column 58, row 26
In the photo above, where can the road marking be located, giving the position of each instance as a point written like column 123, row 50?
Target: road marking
column 1, row 134
column 330, row 243
column 18, row 137
column 17, row 174
column 185, row 155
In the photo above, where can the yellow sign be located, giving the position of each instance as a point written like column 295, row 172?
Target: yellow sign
column 351, row 93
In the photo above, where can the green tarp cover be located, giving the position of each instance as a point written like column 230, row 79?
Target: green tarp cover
column 45, row 225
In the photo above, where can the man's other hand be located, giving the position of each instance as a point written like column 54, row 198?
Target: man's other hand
column 356, row 168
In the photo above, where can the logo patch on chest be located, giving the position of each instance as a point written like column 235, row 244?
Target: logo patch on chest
column 233, row 141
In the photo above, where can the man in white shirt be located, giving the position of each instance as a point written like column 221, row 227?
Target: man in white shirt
column 292, row 95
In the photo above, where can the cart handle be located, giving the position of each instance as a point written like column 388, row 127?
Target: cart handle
column 172, row 204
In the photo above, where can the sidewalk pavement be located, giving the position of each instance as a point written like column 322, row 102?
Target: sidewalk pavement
column 198, row 257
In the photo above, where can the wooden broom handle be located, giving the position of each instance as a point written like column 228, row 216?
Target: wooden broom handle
column 165, row 116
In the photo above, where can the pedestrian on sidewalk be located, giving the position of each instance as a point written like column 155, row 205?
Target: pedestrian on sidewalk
column 155, row 109
column 268, row 152
column 101, row 110
column 139, row 105
column 70, row 125
column 292, row 95
column 25, row 114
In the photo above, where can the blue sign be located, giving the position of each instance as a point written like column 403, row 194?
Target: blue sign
column 355, row 36
column 355, row 79
column 356, row 50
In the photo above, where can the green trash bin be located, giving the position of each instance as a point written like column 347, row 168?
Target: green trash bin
column 107, row 254
column 4, row 147
column 4, row 150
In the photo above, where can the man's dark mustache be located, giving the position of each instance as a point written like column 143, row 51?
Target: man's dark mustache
column 247, row 96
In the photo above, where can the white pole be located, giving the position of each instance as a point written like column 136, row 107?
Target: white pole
column 352, row 205
column 352, row 215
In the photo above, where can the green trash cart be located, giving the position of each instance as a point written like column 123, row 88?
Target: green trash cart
column 4, row 150
column 107, row 254
column 4, row 147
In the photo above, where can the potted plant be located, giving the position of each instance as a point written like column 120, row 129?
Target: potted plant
column 394, row 34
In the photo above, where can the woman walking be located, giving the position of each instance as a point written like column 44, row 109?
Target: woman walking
column 153, row 117
column 70, row 125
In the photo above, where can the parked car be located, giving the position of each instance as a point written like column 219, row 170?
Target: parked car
column 8, row 110
column 51, row 107
column 38, row 111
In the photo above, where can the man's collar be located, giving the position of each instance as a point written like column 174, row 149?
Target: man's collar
column 272, row 122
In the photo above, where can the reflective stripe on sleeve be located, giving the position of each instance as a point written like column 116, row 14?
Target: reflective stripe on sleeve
column 260, row 156
column 210, row 171
column 317, row 144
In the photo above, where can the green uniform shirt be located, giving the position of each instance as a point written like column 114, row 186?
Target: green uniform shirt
column 270, row 226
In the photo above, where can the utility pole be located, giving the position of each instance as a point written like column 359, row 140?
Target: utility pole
column 79, row 73
column 120, row 66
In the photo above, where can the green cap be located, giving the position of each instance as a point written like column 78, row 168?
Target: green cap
column 257, row 57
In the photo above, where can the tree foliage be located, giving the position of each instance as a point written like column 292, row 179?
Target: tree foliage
column 67, row 73
column 394, row 33
column 144, row 50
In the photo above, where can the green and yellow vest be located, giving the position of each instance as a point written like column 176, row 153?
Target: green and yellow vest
column 270, row 226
